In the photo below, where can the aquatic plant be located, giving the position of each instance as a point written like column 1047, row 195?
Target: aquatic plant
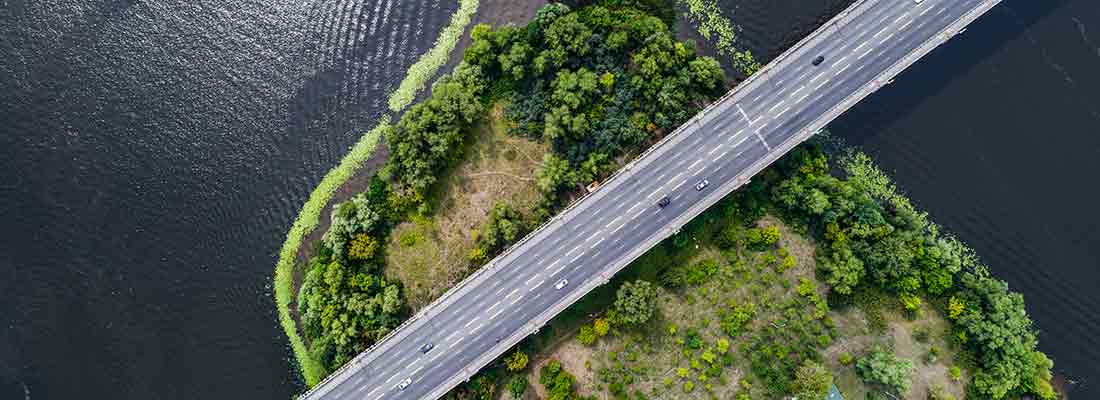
column 434, row 58
column 307, row 219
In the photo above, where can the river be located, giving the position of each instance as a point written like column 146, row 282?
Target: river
column 153, row 154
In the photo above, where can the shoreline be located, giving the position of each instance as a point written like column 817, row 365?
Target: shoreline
column 493, row 12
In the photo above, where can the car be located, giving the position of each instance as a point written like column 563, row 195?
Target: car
column 426, row 347
column 817, row 61
column 663, row 202
column 702, row 184
column 404, row 384
column 561, row 284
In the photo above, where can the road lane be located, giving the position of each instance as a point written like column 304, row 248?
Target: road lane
column 724, row 144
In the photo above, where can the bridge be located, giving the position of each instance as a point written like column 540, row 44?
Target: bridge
column 790, row 99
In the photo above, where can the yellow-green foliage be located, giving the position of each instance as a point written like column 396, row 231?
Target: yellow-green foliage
column 710, row 22
column 429, row 62
column 415, row 79
column 303, row 225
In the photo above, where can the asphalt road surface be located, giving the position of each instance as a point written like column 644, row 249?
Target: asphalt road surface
column 516, row 293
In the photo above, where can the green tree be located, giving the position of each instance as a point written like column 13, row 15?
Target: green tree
column 587, row 336
column 634, row 303
column 883, row 368
column 601, row 327
column 517, row 386
column 362, row 247
column 811, row 381
column 517, row 361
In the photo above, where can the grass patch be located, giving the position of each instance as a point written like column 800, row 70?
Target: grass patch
column 429, row 62
column 429, row 254
column 311, row 369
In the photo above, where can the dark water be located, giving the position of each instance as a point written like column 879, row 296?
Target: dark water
column 152, row 156
column 997, row 136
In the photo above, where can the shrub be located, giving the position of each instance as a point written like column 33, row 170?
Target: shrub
column 811, row 381
column 883, row 368
column 517, row 361
column 689, row 386
column 587, row 335
column 634, row 303
column 601, row 326
column 517, row 386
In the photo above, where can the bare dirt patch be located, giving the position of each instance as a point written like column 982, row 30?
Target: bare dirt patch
column 429, row 255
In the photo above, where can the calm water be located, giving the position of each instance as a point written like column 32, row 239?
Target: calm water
column 152, row 155
column 996, row 135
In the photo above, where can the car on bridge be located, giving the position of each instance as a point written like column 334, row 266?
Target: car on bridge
column 404, row 384
column 663, row 202
column 561, row 284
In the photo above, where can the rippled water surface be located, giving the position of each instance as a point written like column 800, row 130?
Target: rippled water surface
column 152, row 156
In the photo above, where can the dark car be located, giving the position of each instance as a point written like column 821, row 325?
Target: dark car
column 663, row 202
column 426, row 347
column 817, row 61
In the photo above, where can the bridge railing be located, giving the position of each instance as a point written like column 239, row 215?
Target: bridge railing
column 436, row 305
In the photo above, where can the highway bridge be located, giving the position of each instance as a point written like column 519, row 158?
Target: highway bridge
column 863, row 47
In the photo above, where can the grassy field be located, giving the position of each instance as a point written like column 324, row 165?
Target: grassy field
column 679, row 354
column 429, row 254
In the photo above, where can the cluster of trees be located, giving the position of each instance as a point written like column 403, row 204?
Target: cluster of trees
column 869, row 236
column 345, row 303
column 594, row 83
column 504, row 226
column 430, row 135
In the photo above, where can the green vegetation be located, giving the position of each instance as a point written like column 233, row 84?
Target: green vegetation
column 595, row 83
column 634, row 303
column 885, row 369
column 709, row 21
column 312, row 369
column 742, row 289
column 429, row 62
column 346, row 302
column 812, row 381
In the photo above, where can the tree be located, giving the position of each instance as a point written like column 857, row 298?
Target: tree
column 587, row 335
column 811, row 381
column 735, row 321
column 634, row 303
column 362, row 247
column 883, row 368
column 601, row 326
column 517, row 361
column 517, row 386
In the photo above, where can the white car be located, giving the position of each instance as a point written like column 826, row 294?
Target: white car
column 404, row 384
column 561, row 284
column 702, row 184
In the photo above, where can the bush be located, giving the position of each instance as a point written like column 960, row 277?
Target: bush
column 517, row 386
column 587, row 336
column 689, row 386
column 601, row 326
column 812, row 381
column 883, row 368
column 634, row 303
column 517, row 361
